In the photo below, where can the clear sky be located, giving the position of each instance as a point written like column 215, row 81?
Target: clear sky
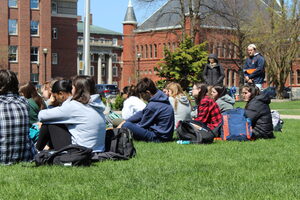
column 110, row 14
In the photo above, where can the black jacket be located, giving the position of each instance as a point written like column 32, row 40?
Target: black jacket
column 213, row 75
column 259, row 112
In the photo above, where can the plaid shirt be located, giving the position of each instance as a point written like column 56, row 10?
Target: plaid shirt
column 15, row 145
column 209, row 113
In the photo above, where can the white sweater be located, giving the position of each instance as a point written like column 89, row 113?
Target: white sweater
column 131, row 106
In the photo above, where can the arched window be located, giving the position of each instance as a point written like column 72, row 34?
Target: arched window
column 155, row 51
column 142, row 51
column 298, row 76
column 292, row 79
column 211, row 47
column 146, row 51
column 216, row 49
column 137, row 49
column 232, row 78
column 222, row 49
column 228, row 78
column 151, row 51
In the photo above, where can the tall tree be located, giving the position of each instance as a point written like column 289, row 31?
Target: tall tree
column 278, row 39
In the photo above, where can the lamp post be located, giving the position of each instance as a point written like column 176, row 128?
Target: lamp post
column 45, row 52
column 138, row 56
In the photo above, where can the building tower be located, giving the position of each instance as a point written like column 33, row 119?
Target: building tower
column 129, row 72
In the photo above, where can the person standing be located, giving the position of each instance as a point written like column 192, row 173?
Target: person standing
column 254, row 69
column 213, row 73
column 15, row 145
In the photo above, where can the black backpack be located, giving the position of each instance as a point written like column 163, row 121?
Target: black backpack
column 186, row 131
column 118, row 145
column 72, row 155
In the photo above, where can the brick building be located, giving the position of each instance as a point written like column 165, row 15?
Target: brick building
column 144, row 43
column 106, row 51
column 40, row 40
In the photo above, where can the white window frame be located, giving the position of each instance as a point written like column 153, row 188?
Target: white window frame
column 92, row 58
column 13, row 26
column 115, row 71
column 34, row 1
column 54, row 33
column 12, row 51
column 11, row 2
column 36, row 53
column 54, row 5
column 114, row 58
column 115, row 41
column 54, row 58
column 34, row 27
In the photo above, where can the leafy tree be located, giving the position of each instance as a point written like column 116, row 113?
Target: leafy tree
column 184, row 65
column 278, row 40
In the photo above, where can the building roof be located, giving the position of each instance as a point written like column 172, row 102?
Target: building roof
column 96, row 30
column 169, row 15
column 130, row 15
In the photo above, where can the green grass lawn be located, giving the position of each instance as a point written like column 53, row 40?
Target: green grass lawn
column 263, row 169
column 285, row 108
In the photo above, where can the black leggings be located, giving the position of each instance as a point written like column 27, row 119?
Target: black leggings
column 55, row 135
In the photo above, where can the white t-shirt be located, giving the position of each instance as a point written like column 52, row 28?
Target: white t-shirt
column 131, row 106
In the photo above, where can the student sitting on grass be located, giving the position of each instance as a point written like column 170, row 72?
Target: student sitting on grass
column 258, row 110
column 79, row 120
column 35, row 101
column 224, row 101
column 180, row 102
column 15, row 145
column 132, row 104
column 155, row 123
column 208, row 110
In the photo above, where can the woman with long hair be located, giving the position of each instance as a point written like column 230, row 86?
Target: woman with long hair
column 79, row 120
column 224, row 101
column 132, row 104
column 35, row 101
column 179, row 101
column 208, row 110
column 258, row 110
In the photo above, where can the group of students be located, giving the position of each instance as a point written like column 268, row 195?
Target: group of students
column 69, row 112
column 156, row 120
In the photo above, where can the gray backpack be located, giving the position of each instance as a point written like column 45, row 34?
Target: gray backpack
column 276, row 121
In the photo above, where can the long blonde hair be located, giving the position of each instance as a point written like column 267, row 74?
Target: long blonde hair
column 176, row 91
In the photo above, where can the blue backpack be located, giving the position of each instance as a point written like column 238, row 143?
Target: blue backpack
column 235, row 125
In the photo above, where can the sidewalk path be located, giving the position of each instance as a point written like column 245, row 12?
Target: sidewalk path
column 290, row 116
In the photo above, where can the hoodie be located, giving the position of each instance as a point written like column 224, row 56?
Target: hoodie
column 85, row 122
column 213, row 75
column 259, row 112
column 256, row 62
column 225, row 102
column 131, row 106
column 157, row 116
column 183, row 110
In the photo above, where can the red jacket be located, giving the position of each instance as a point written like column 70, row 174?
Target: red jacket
column 209, row 113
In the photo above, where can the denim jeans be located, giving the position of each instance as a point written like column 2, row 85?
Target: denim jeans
column 140, row 133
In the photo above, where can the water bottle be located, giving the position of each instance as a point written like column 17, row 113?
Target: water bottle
column 183, row 142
